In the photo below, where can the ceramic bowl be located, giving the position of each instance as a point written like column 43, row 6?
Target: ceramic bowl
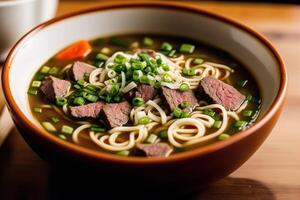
column 201, row 165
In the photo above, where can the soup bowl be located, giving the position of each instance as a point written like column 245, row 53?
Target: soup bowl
column 198, row 166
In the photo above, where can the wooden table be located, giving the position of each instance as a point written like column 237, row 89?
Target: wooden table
column 272, row 173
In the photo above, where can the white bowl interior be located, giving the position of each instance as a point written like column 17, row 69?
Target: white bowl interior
column 45, row 43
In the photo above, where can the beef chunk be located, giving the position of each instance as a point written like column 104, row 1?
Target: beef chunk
column 55, row 88
column 79, row 69
column 217, row 91
column 90, row 110
column 155, row 150
column 173, row 98
column 146, row 92
column 115, row 114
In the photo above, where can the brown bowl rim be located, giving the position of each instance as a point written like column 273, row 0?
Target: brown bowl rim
column 92, row 154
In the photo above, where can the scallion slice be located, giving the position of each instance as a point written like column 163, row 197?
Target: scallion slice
column 79, row 101
column 217, row 124
column 151, row 139
column 124, row 153
column 32, row 91
column 49, row 127
column 45, row 70
column 53, row 71
column 101, row 56
column 165, row 46
column 67, row 129
column 177, row 112
column 163, row 134
column 61, row 101
column 247, row 113
column 184, row 87
column 223, row 136
column 36, row 84
column 198, row 61
column 37, row 110
column 187, row 48
column 137, row 101
column 144, row 120
column 148, row 41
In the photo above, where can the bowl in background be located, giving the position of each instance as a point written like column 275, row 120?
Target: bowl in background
column 199, row 166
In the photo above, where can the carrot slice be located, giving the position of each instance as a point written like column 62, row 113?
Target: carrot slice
column 77, row 50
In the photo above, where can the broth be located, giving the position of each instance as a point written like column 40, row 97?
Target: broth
column 47, row 111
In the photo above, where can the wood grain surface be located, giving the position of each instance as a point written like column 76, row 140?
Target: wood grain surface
column 273, row 172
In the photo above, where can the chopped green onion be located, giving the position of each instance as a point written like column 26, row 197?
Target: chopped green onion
column 148, row 41
column 67, row 129
column 184, row 104
column 92, row 88
column 177, row 112
column 247, row 113
column 120, row 68
column 240, row 124
column 61, row 101
column 45, row 70
column 198, row 61
column 120, row 59
column 77, row 86
column 81, row 82
column 187, row 48
column 101, row 56
column 189, row 72
column 137, row 101
column 123, row 153
column 90, row 97
column 79, row 101
column 144, row 120
column 166, row 46
column 151, row 139
column 37, row 110
column 97, row 129
column 53, row 71
column 250, row 98
column 217, row 124
column 32, row 91
column 136, row 75
column 242, row 83
column 159, row 61
column 163, row 134
column 209, row 112
column 172, row 53
column 184, row 114
column 157, row 85
column 36, row 84
column 55, row 119
column 49, row 127
column 184, row 87
column 167, row 78
column 114, row 89
column 144, row 79
column 165, row 67
column 223, row 136
column 61, row 136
